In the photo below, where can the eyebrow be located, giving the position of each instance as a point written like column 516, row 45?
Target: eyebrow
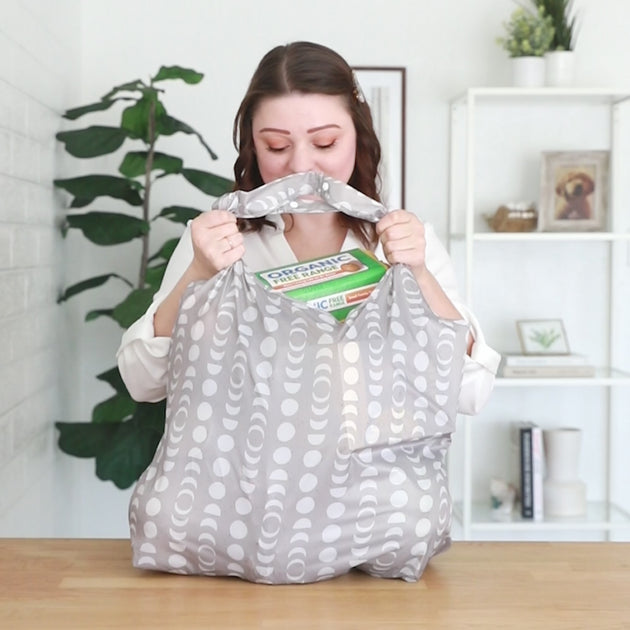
column 288, row 133
column 274, row 130
column 314, row 129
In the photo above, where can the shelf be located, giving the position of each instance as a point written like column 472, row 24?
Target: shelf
column 600, row 516
column 541, row 237
column 497, row 135
column 604, row 377
column 603, row 94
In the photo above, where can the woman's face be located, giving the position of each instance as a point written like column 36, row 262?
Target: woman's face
column 300, row 132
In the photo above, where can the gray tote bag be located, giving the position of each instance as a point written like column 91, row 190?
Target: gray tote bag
column 298, row 447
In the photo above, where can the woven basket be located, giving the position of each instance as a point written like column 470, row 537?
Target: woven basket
column 509, row 219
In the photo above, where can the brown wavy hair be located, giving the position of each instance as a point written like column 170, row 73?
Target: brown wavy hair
column 308, row 68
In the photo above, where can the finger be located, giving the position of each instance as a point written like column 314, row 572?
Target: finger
column 392, row 218
column 231, row 241
column 214, row 218
column 213, row 233
column 403, row 236
column 227, row 237
column 232, row 255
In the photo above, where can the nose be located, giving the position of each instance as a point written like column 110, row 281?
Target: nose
column 301, row 160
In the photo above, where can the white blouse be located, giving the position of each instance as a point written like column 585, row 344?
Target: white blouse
column 143, row 357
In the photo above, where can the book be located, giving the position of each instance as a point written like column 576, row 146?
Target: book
column 547, row 371
column 528, row 440
column 538, row 360
column 527, row 478
column 538, row 464
column 335, row 283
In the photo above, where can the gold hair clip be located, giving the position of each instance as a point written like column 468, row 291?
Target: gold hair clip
column 357, row 91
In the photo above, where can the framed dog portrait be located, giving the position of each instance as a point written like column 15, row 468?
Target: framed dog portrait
column 542, row 336
column 574, row 191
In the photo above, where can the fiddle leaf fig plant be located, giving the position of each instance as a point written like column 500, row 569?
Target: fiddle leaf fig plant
column 123, row 434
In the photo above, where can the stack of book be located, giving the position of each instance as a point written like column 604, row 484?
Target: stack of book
column 527, row 441
column 546, row 365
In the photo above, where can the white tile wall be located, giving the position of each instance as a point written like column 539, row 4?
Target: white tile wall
column 38, row 67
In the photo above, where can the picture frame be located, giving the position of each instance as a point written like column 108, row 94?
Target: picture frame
column 574, row 191
column 384, row 89
column 542, row 336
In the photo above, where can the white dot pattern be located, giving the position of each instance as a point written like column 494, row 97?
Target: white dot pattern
column 297, row 447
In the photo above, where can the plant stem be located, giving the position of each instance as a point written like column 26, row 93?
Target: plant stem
column 144, row 259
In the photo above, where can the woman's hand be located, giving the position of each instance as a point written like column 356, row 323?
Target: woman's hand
column 216, row 241
column 217, row 244
column 402, row 236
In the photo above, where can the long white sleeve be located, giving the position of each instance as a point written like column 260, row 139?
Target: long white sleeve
column 143, row 357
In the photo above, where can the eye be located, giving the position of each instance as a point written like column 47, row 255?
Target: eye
column 326, row 145
column 276, row 149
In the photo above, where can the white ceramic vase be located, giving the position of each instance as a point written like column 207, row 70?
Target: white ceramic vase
column 559, row 68
column 564, row 493
column 528, row 71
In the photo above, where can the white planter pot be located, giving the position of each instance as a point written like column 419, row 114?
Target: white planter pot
column 564, row 493
column 528, row 71
column 559, row 68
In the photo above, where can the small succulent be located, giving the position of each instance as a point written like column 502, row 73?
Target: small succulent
column 529, row 33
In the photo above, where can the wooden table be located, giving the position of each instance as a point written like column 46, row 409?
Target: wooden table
column 90, row 584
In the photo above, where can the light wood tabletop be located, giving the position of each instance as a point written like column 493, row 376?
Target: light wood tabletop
column 90, row 584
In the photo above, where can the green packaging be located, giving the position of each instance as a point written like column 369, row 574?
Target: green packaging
column 335, row 283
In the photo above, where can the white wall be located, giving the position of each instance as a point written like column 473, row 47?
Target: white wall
column 38, row 73
column 446, row 46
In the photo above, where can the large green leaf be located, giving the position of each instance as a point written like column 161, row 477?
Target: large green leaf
column 114, row 409
column 135, row 163
column 151, row 416
column 85, row 439
column 130, row 86
column 136, row 119
column 133, row 306
column 92, row 141
column 108, row 228
column 132, row 446
column 106, row 103
column 88, row 187
column 167, row 126
column 90, row 283
column 123, row 450
column 155, row 275
column 177, row 72
column 213, row 185
column 179, row 214
column 99, row 312
column 113, row 378
column 166, row 251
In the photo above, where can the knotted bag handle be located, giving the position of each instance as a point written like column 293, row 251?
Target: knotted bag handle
column 308, row 192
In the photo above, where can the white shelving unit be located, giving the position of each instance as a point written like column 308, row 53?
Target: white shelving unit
column 497, row 137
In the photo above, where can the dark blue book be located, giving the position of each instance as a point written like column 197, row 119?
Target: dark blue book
column 527, row 473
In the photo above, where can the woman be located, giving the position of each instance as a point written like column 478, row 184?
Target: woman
column 294, row 461
column 303, row 111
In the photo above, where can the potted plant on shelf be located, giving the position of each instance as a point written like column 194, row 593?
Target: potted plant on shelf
column 529, row 34
column 123, row 434
column 559, row 59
